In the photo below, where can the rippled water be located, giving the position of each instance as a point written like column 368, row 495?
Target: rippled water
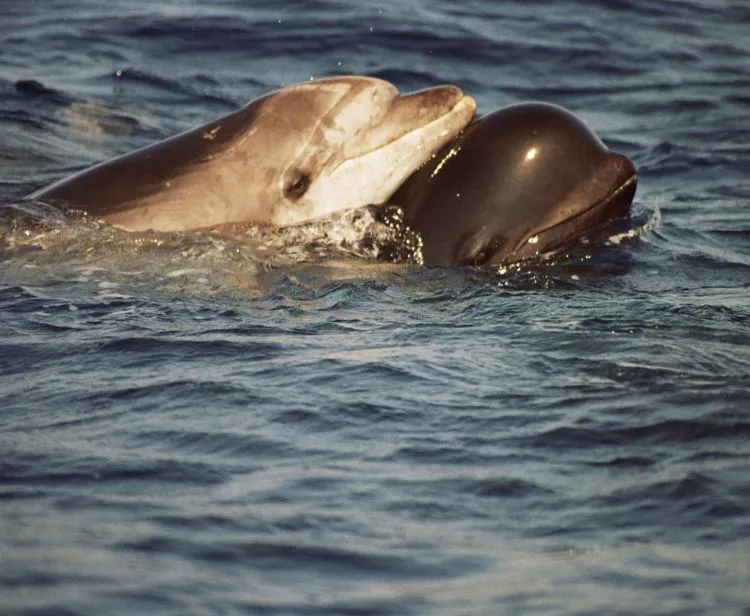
column 187, row 428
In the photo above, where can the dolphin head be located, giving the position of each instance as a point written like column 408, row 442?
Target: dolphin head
column 295, row 154
column 517, row 183
column 339, row 143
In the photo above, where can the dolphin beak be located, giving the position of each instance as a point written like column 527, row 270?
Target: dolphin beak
column 612, row 180
column 438, row 114
column 428, row 105
column 614, row 184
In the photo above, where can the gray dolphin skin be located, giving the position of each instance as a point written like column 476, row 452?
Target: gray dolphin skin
column 293, row 155
column 519, row 182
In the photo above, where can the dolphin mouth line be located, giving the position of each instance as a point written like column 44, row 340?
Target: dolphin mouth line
column 592, row 211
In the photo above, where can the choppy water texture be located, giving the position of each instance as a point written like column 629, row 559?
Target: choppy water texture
column 185, row 429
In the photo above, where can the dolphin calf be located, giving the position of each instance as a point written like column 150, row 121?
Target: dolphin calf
column 519, row 182
column 293, row 155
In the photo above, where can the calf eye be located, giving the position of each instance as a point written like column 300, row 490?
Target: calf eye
column 296, row 183
column 472, row 252
column 481, row 257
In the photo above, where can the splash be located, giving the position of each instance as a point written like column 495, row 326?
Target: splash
column 42, row 245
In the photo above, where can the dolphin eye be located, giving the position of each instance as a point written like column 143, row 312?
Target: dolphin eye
column 481, row 257
column 296, row 183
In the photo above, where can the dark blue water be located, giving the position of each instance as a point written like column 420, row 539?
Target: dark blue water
column 188, row 428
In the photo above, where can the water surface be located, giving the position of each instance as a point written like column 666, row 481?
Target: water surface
column 188, row 429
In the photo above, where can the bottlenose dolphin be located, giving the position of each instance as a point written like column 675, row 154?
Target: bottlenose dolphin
column 293, row 155
column 519, row 182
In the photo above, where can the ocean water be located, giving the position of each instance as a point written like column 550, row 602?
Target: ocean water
column 188, row 426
